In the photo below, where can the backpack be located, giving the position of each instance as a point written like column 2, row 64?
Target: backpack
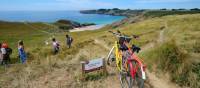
column 71, row 39
column 8, row 51
column 57, row 44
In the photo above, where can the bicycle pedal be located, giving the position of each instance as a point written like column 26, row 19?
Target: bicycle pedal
column 124, row 73
column 113, row 59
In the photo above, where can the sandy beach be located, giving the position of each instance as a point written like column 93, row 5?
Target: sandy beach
column 93, row 27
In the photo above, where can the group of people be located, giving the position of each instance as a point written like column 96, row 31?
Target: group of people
column 56, row 45
column 6, row 51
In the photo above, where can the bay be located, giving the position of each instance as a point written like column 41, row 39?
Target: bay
column 53, row 16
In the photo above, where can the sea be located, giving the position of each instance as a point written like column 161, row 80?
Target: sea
column 53, row 16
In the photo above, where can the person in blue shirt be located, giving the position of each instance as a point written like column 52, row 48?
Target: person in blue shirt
column 21, row 51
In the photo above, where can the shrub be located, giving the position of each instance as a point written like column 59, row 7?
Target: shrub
column 170, row 58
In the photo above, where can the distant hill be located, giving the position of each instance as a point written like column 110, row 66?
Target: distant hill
column 145, row 12
column 115, row 12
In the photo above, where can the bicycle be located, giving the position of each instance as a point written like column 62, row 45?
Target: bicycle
column 130, row 67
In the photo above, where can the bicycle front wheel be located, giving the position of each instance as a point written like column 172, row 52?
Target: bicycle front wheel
column 125, row 80
column 135, row 72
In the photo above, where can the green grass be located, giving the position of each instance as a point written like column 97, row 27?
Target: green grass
column 178, row 54
column 165, row 13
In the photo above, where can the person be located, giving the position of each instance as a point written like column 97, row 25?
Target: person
column 69, row 41
column 21, row 52
column 1, row 55
column 6, row 52
column 56, row 46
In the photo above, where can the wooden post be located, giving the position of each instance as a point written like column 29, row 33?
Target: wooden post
column 104, row 67
column 83, row 70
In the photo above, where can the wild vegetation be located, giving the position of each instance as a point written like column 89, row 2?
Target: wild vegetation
column 170, row 45
column 160, row 13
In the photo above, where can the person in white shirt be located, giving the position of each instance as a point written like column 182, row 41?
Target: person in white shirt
column 56, row 46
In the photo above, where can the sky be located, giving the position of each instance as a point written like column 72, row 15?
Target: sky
column 54, row 5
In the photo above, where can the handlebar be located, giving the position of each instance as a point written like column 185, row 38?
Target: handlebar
column 119, row 35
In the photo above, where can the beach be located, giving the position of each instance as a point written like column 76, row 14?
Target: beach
column 93, row 27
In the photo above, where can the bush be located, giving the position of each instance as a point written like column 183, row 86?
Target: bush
column 170, row 58
column 196, row 46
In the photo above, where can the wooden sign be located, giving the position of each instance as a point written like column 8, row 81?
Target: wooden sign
column 93, row 65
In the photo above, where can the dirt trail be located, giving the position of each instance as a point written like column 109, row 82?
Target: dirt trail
column 161, row 82
column 161, row 36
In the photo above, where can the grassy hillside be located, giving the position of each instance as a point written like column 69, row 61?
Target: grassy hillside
column 170, row 46
column 160, row 13
column 33, row 34
column 179, row 52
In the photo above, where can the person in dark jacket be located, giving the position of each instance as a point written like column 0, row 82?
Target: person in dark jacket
column 6, row 52
column 69, row 41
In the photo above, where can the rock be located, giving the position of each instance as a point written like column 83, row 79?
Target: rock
column 68, row 24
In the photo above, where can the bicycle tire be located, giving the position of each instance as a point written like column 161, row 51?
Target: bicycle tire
column 110, row 55
column 125, row 80
column 135, row 72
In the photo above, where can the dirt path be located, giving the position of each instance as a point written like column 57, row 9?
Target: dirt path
column 161, row 36
column 160, row 82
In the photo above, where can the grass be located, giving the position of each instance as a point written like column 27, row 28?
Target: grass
column 165, row 13
column 175, row 55
column 178, row 54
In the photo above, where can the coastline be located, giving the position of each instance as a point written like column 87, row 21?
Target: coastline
column 86, row 28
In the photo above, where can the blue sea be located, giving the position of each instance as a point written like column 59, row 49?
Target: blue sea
column 53, row 16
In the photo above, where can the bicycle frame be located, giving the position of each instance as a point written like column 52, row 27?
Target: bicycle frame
column 118, row 56
column 139, row 61
column 133, row 57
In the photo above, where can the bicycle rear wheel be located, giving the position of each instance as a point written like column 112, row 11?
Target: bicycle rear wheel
column 125, row 80
column 135, row 72
column 110, row 56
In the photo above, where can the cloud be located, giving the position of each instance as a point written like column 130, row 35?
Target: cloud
column 163, row 1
